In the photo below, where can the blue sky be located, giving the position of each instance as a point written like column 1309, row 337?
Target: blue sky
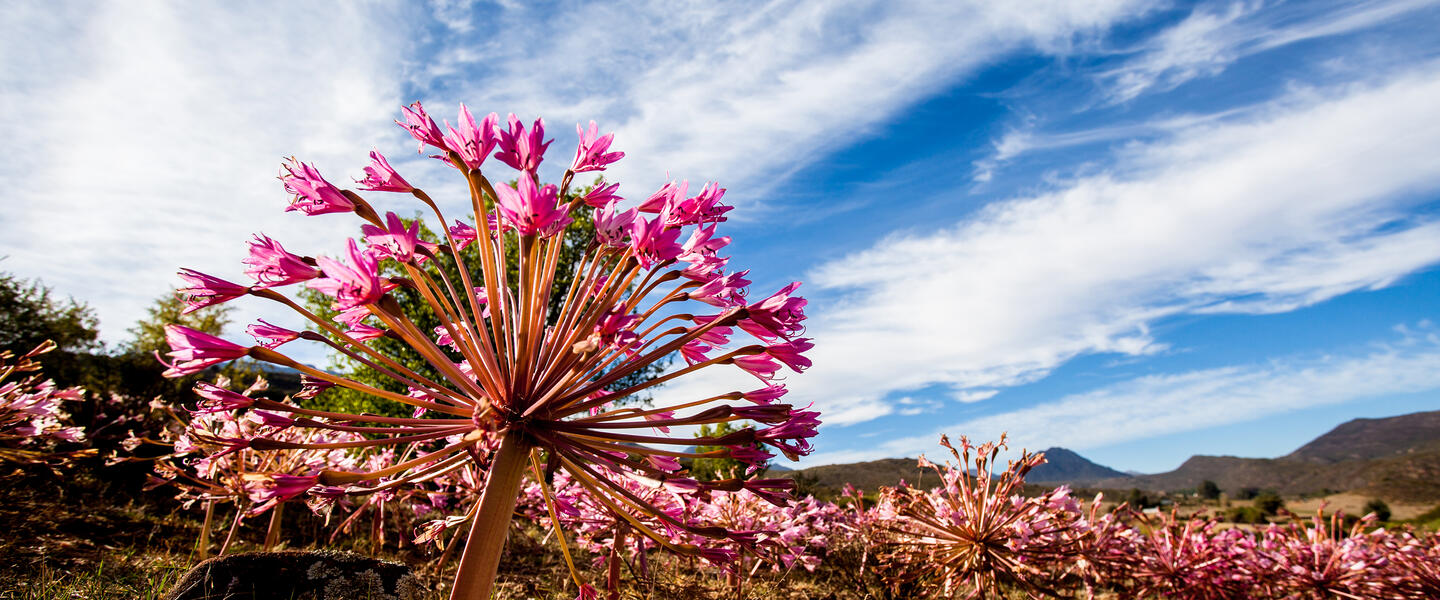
column 1140, row 230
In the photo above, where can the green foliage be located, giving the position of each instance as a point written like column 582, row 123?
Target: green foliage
column 711, row 469
column 1269, row 502
column 1247, row 493
column 1138, row 498
column 1209, row 490
column 1379, row 507
column 806, row 484
column 578, row 238
column 1246, row 514
column 31, row 313
column 148, row 335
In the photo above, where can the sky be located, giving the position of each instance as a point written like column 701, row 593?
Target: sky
column 1137, row 229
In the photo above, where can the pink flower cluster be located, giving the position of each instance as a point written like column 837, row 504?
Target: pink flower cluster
column 976, row 535
column 30, row 411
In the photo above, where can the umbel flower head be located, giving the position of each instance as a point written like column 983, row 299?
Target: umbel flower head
column 975, row 531
column 540, row 383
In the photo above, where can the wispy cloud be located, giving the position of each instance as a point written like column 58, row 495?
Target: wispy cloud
column 746, row 92
column 1291, row 207
column 1213, row 37
column 1159, row 405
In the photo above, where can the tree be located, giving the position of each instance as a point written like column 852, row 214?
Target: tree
column 711, row 469
column 1379, row 507
column 1209, row 490
column 31, row 313
column 1269, row 502
column 148, row 334
column 577, row 238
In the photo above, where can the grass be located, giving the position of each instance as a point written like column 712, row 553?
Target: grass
column 84, row 538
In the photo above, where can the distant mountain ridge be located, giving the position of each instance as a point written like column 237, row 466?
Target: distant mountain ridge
column 1397, row 458
column 1064, row 466
column 1366, row 439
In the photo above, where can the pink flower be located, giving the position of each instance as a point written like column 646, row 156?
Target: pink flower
column 521, row 150
column 767, row 394
column 601, row 195
column 703, row 208
column 313, row 194
column 791, row 437
column 587, row 592
column 218, row 399
column 353, row 316
column 473, row 143
column 612, row 228
column 271, row 336
column 652, row 242
column 703, row 244
column 778, row 316
column 361, row 332
column 464, row 235
column 394, row 241
column 270, row 419
column 270, row 265
column 663, row 197
column 381, row 177
column 193, row 351
column 759, row 365
column 617, row 328
column 723, row 292
column 754, row 457
column 204, row 290
column 769, row 414
column 311, row 387
column 263, row 487
column 530, row 210
column 789, row 353
column 694, row 352
column 422, row 127
column 352, row 285
column 774, row 491
column 590, row 155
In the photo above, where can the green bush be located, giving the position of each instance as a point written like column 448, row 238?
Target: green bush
column 1269, row 502
column 1379, row 507
column 1246, row 514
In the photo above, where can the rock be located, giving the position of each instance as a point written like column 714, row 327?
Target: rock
column 298, row 575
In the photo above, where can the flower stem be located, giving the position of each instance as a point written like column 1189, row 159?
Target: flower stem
column 204, row 543
column 272, row 536
column 481, row 559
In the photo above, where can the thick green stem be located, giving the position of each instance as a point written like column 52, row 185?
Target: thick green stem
column 478, row 564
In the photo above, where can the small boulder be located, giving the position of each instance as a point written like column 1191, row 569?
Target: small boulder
column 299, row 576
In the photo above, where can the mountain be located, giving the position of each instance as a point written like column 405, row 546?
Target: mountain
column 867, row 476
column 1396, row 458
column 1064, row 466
column 1363, row 439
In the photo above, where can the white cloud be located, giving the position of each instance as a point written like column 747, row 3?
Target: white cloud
column 141, row 137
column 1286, row 209
column 742, row 91
column 1156, row 406
column 1210, row 39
